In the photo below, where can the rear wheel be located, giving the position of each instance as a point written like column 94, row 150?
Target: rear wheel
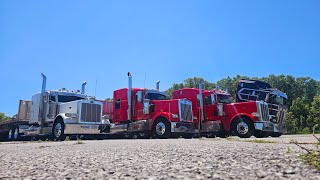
column 243, row 127
column 73, row 137
column 58, row 131
column 161, row 129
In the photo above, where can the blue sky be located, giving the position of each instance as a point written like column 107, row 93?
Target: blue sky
column 73, row 41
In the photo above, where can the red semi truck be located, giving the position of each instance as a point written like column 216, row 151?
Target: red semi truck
column 145, row 113
column 216, row 112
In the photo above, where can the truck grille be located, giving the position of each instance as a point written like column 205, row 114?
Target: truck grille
column 277, row 113
column 264, row 111
column 185, row 110
column 90, row 112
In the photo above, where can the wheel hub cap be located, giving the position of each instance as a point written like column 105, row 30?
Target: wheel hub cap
column 160, row 128
column 15, row 135
column 242, row 128
column 57, row 130
column 10, row 134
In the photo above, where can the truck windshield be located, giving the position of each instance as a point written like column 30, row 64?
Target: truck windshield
column 156, row 96
column 225, row 99
column 62, row 98
column 274, row 99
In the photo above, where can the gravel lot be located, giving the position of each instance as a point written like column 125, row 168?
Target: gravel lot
column 156, row 159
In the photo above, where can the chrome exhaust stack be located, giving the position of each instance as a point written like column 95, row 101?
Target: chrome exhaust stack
column 44, row 83
column 129, row 95
column 201, row 101
column 83, row 89
column 157, row 85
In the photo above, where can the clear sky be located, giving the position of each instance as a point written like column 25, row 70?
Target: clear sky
column 73, row 41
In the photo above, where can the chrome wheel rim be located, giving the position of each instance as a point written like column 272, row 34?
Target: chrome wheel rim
column 242, row 128
column 15, row 134
column 160, row 128
column 57, row 130
column 10, row 134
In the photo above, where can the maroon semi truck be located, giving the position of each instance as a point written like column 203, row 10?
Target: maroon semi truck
column 145, row 113
column 217, row 113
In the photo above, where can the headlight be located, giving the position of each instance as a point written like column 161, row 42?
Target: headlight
column 175, row 115
column 71, row 115
column 255, row 114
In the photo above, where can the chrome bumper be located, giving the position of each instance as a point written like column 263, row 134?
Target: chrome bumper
column 182, row 127
column 87, row 128
column 269, row 126
column 210, row 126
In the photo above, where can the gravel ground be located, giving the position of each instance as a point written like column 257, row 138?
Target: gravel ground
column 155, row 159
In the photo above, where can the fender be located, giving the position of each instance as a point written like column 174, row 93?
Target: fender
column 249, row 116
column 66, row 119
column 165, row 115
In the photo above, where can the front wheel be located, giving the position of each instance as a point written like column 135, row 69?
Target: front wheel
column 261, row 134
column 58, row 131
column 243, row 128
column 161, row 129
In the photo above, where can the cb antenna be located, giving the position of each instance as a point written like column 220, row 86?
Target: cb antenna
column 145, row 77
column 95, row 89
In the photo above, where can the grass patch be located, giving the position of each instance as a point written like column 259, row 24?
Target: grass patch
column 230, row 139
column 260, row 141
column 79, row 142
column 312, row 156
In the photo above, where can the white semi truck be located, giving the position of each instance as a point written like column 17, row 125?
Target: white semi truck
column 56, row 114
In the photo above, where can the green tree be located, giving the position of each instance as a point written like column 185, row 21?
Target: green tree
column 314, row 113
column 3, row 117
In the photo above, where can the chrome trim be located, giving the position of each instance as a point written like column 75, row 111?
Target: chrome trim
column 182, row 127
column 269, row 126
column 263, row 111
column 84, row 128
column 185, row 114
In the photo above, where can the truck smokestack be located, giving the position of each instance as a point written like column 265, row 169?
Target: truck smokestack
column 44, row 83
column 83, row 89
column 201, row 102
column 129, row 95
column 157, row 85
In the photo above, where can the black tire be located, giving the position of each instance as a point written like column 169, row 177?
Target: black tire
column 58, row 130
column 101, row 137
column 161, row 129
column 261, row 134
column 73, row 137
column 276, row 134
column 243, row 127
column 187, row 135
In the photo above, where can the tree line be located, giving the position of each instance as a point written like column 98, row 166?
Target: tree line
column 303, row 96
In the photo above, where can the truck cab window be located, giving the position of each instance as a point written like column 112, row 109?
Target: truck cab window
column 64, row 99
column 156, row 96
column 117, row 104
column 207, row 100
column 225, row 99
column 53, row 98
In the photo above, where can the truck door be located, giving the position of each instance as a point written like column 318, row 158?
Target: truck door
column 139, row 106
column 211, row 109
